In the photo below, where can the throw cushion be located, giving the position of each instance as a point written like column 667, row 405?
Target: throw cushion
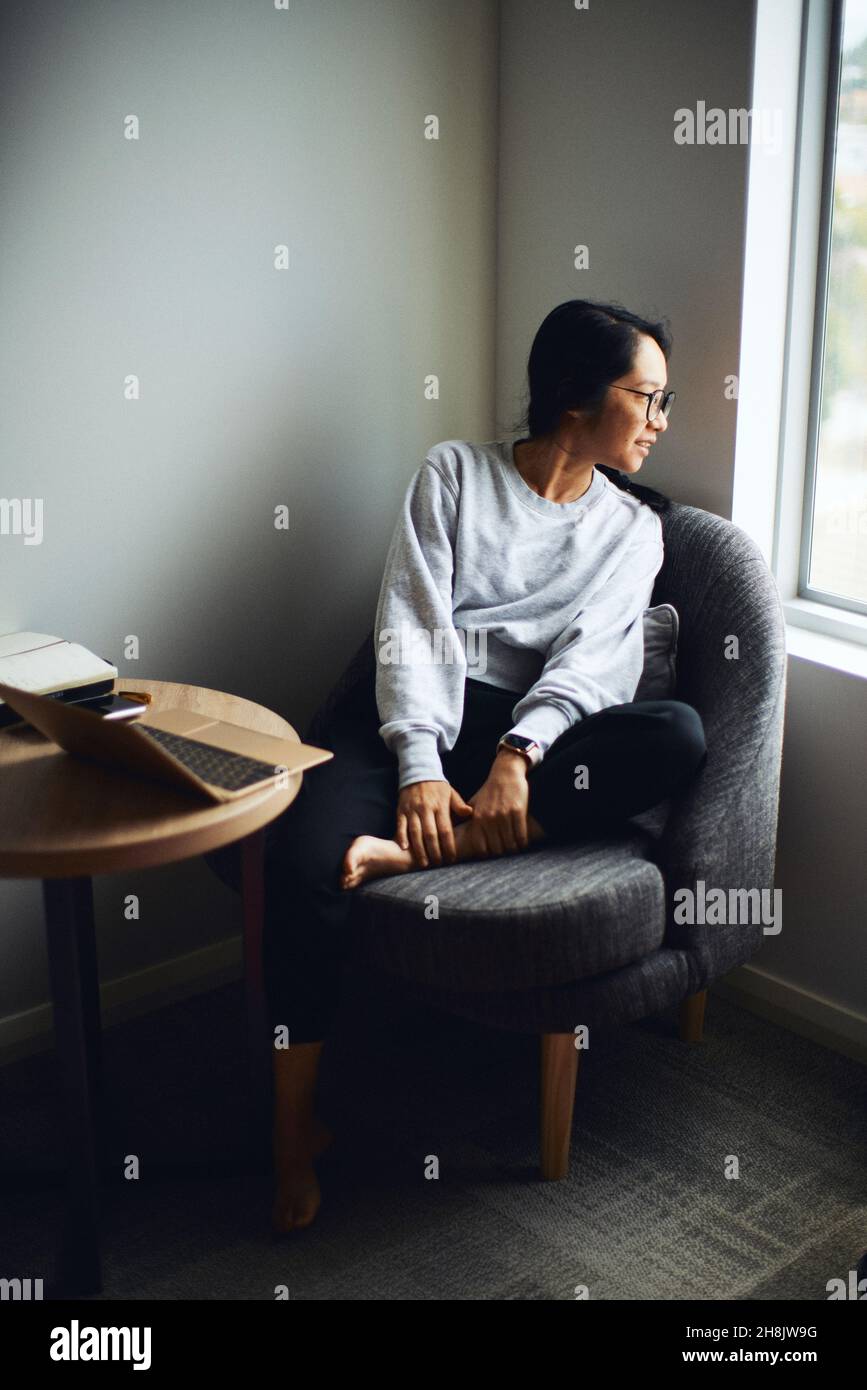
column 659, row 677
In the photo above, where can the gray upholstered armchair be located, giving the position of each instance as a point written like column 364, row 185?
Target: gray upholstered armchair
column 557, row 937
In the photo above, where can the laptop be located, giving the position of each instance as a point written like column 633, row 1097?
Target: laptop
column 211, row 757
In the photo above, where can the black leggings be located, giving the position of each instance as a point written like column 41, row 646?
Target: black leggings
column 636, row 755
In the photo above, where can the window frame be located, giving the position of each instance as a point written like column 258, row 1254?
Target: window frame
column 805, row 590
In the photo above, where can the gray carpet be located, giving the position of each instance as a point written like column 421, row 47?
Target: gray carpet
column 646, row 1212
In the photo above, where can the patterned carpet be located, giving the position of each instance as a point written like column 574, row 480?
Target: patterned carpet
column 646, row 1213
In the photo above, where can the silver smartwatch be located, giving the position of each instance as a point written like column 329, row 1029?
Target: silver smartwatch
column 525, row 746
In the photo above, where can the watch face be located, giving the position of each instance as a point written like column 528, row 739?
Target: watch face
column 518, row 741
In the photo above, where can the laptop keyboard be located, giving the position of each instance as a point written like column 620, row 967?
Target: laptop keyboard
column 231, row 771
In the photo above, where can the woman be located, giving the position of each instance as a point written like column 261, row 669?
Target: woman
column 509, row 641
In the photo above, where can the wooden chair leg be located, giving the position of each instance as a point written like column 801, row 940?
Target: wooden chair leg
column 559, row 1057
column 692, row 1017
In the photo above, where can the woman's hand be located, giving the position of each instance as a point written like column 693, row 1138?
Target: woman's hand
column 499, row 823
column 424, row 821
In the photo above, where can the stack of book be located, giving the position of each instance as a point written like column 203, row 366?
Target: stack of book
column 51, row 666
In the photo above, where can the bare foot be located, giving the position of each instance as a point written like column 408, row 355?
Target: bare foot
column 369, row 857
column 298, row 1196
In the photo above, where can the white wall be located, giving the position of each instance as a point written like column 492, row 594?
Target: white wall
column 821, row 865
column 587, row 157
column 258, row 387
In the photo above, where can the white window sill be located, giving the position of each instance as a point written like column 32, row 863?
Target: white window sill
column 838, row 641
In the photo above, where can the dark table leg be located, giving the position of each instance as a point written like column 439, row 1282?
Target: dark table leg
column 258, row 1041
column 82, row 890
column 75, row 996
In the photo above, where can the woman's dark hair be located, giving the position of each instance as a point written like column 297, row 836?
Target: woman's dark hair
column 579, row 349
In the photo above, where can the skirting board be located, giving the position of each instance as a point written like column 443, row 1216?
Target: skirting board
column 809, row 1015
column 26, row 1033
column 197, row 972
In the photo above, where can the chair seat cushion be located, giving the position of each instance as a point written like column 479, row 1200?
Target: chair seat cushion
column 548, row 916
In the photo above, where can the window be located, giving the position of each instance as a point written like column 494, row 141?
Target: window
column 834, row 548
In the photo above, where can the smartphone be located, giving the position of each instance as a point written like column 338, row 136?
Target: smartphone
column 113, row 706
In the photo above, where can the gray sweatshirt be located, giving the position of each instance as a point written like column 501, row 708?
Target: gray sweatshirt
column 485, row 579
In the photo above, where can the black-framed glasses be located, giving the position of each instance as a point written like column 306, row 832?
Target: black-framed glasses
column 656, row 400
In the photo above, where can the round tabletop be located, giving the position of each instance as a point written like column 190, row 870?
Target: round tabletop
column 62, row 816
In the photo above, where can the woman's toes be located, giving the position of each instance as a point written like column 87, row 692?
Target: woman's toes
column 370, row 857
column 297, row 1193
column 297, row 1201
column 353, row 860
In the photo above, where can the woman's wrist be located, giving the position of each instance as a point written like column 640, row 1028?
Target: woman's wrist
column 528, row 748
column 512, row 761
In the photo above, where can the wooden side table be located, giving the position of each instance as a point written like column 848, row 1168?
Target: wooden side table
column 63, row 820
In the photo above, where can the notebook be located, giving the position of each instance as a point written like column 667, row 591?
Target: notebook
column 48, row 665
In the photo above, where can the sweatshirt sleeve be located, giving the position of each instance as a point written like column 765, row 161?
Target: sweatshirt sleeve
column 598, row 659
column 420, row 661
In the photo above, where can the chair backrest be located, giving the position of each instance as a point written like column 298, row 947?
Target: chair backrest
column 359, row 667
